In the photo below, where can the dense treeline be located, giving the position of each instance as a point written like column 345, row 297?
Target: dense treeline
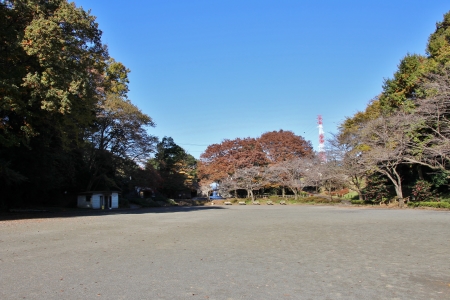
column 398, row 148
column 401, row 140
column 66, row 123
column 67, row 126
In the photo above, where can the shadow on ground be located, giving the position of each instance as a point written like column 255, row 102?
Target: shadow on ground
column 70, row 213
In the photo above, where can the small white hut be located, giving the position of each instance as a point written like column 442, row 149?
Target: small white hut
column 98, row 200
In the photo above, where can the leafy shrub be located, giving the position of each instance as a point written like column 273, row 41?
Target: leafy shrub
column 352, row 196
column 364, row 202
column 444, row 197
column 202, row 202
column 355, row 197
column 376, row 188
column 359, row 202
column 430, row 204
column 445, row 205
column 171, row 202
column 422, row 190
column 440, row 178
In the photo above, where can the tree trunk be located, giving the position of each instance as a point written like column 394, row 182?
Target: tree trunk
column 419, row 171
column 283, row 193
column 357, row 186
column 397, row 184
column 329, row 193
column 360, row 195
column 398, row 191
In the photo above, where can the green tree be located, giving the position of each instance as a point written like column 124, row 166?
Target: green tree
column 119, row 133
column 400, row 91
column 376, row 189
column 118, row 136
column 438, row 48
column 351, row 125
column 65, row 120
column 50, row 56
column 417, row 95
column 178, row 169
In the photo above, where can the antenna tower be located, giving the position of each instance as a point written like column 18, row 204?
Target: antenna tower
column 321, row 139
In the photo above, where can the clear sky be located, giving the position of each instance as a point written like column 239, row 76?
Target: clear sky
column 208, row 70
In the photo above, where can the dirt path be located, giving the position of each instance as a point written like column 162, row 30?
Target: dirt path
column 237, row 252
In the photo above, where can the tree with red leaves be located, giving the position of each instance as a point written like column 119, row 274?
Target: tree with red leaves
column 221, row 160
column 283, row 145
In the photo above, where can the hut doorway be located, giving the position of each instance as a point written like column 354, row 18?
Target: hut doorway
column 106, row 202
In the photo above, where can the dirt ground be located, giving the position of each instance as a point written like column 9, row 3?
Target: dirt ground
column 228, row 252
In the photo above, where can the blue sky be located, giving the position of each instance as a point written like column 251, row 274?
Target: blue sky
column 210, row 70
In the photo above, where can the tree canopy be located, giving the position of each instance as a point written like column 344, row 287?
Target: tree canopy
column 221, row 160
column 178, row 169
column 51, row 58
column 406, row 126
column 283, row 145
column 66, row 123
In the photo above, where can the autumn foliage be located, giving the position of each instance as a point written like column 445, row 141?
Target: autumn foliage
column 224, row 159
column 283, row 145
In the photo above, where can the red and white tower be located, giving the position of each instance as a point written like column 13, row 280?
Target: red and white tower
column 321, row 139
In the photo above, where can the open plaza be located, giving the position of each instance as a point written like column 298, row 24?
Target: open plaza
column 228, row 252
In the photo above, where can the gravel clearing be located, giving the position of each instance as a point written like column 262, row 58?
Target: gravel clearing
column 232, row 252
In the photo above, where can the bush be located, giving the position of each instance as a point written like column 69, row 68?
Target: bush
column 303, row 194
column 430, row 204
column 124, row 203
column 422, row 190
column 316, row 199
column 171, row 202
column 364, row 202
column 444, row 197
column 358, row 202
column 440, row 179
column 202, row 202
column 376, row 189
